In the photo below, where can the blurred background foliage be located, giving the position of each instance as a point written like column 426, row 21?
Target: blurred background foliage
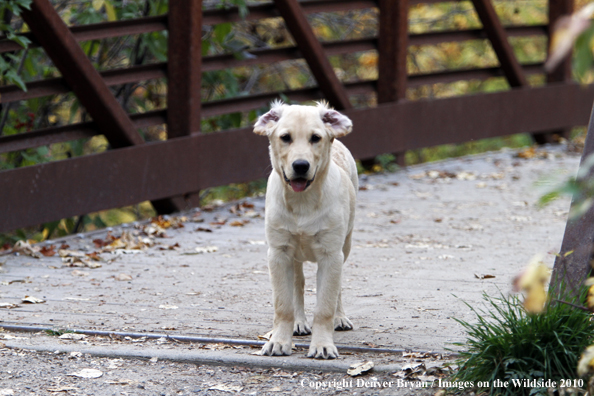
column 31, row 64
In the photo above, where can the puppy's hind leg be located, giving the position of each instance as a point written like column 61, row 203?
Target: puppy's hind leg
column 341, row 322
column 301, row 327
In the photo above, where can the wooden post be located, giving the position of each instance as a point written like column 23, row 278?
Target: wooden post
column 184, row 75
column 574, row 262
column 562, row 73
column 392, row 50
column 392, row 53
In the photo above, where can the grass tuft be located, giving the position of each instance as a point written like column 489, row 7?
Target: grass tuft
column 510, row 343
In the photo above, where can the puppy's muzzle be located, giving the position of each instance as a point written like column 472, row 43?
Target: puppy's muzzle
column 299, row 181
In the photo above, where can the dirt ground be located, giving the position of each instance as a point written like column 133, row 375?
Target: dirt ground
column 427, row 239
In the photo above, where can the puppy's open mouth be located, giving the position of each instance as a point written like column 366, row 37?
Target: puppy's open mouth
column 299, row 183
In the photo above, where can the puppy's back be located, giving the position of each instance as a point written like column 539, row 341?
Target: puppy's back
column 344, row 159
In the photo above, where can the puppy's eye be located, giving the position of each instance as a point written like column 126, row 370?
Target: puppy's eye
column 286, row 138
column 315, row 138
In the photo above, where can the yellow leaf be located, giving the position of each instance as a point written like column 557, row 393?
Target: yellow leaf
column 97, row 4
column 590, row 299
column 110, row 10
column 586, row 361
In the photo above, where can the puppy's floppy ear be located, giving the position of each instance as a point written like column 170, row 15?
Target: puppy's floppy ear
column 267, row 121
column 339, row 124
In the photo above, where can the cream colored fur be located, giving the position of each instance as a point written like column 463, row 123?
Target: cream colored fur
column 313, row 225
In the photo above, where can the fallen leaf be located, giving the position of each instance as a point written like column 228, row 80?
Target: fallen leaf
column 79, row 273
column 63, row 389
column 203, row 229
column 72, row 336
column 165, row 306
column 226, row 388
column 87, row 373
column 239, row 223
column 48, row 251
column 8, row 305
column 32, row 300
column 207, row 249
column 123, row 277
column 24, row 247
column 360, row 368
column 171, row 247
column 487, row 276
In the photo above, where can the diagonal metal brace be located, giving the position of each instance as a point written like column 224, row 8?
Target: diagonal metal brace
column 80, row 74
column 498, row 38
column 314, row 54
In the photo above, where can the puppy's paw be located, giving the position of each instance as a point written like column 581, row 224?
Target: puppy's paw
column 301, row 328
column 342, row 324
column 327, row 351
column 274, row 348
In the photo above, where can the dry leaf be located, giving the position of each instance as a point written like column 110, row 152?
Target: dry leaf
column 79, row 273
column 63, row 389
column 8, row 305
column 226, row 388
column 24, row 247
column 207, row 249
column 87, row 373
column 72, row 336
column 239, row 223
column 565, row 33
column 48, row 251
column 32, row 300
column 586, row 363
column 165, row 306
column 203, row 229
column 123, row 277
column 487, row 276
column 360, row 368
column 533, row 281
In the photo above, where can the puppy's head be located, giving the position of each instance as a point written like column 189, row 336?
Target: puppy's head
column 301, row 140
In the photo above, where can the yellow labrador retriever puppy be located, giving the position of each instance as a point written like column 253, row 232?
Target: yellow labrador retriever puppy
column 310, row 209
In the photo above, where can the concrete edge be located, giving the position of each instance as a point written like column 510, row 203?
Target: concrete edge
column 211, row 358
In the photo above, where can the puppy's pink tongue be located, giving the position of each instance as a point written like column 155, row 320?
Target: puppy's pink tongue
column 298, row 185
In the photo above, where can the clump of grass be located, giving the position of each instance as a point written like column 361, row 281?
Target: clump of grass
column 510, row 343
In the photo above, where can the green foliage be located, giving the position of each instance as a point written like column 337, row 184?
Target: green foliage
column 509, row 343
column 580, row 188
column 8, row 63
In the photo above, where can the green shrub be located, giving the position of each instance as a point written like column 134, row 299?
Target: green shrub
column 510, row 343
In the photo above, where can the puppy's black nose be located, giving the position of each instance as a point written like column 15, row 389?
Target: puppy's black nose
column 301, row 167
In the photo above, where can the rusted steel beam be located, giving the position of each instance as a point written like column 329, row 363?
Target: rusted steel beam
column 78, row 131
column 498, row 38
column 183, row 67
column 215, row 16
column 51, row 135
column 184, row 72
column 313, row 52
column 177, row 166
column 392, row 50
column 79, row 73
column 52, row 86
column 557, row 9
column 575, row 259
column 98, row 31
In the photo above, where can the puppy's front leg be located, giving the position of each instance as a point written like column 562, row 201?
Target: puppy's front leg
column 328, row 285
column 280, row 261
